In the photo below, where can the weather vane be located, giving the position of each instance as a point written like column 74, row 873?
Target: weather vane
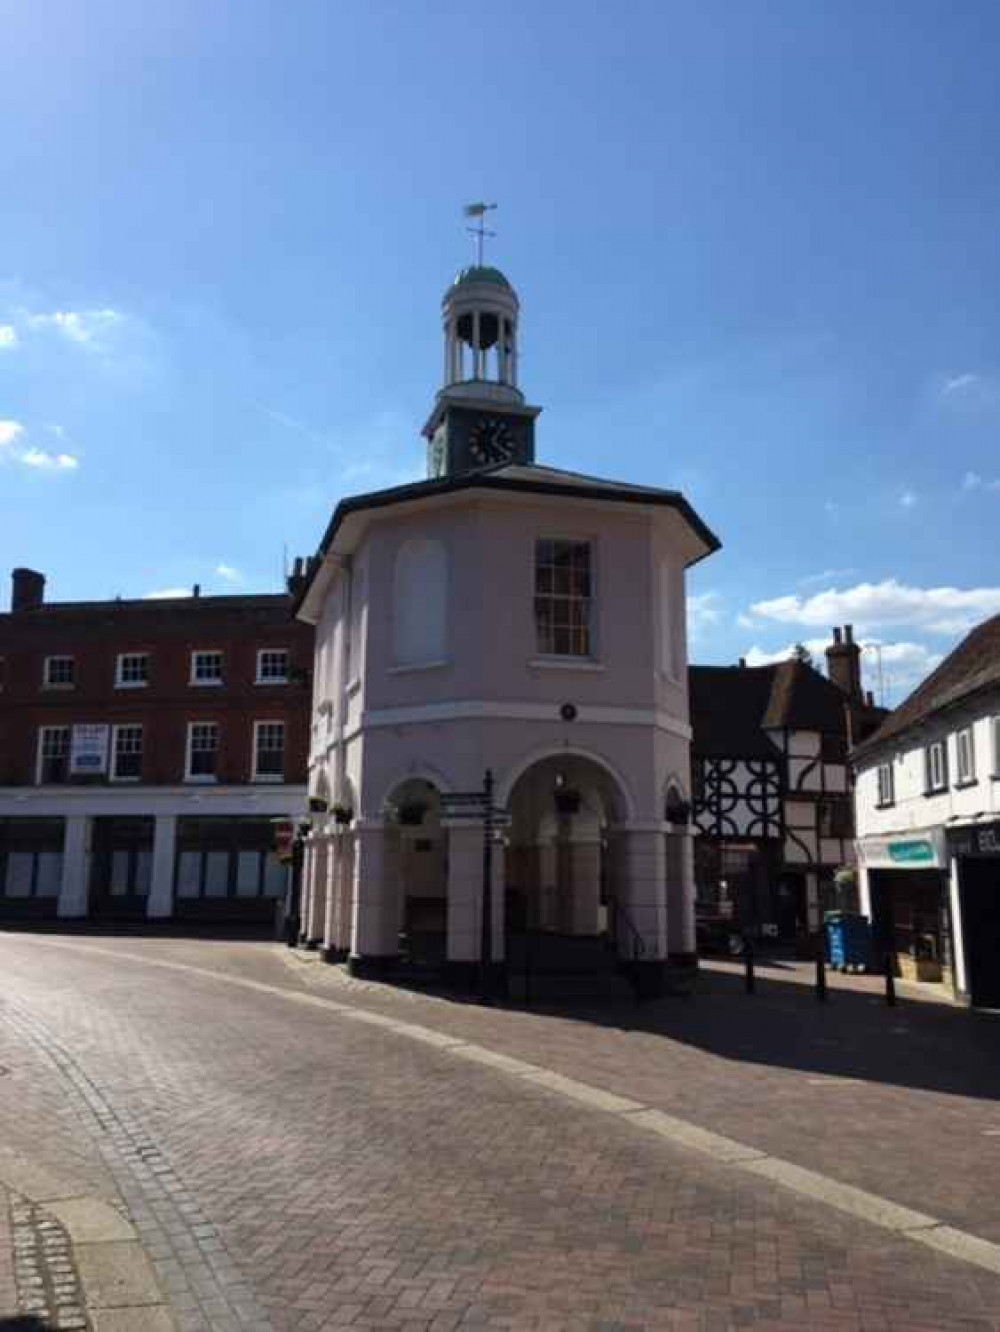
column 479, row 233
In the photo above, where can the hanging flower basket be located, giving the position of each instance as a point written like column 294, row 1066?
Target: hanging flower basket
column 317, row 805
column 411, row 814
column 342, row 814
column 568, row 800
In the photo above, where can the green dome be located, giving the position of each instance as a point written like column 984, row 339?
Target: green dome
column 481, row 273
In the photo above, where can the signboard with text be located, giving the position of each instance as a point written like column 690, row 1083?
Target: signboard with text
column 88, row 755
column 981, row 841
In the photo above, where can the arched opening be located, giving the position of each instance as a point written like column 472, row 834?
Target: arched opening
column 417, row 847
column 561, row 906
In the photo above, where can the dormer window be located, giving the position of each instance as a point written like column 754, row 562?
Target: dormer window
column 59, row 673
column 207, row 668
column 563, row 598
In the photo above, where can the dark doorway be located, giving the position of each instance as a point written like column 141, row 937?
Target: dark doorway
column 793, row 907
column 980, row 893
column 121, row 868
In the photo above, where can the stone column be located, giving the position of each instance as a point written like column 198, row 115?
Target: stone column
column 75, row 864
column 375, row 900
column 584, row 884
column 543, row 911
column 642, row 892
column 160, row 905
column 331, row 898
column 465, row 899
column 680, row 893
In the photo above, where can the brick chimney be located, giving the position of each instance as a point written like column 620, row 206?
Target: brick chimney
column 843, row 662
column 27, row 590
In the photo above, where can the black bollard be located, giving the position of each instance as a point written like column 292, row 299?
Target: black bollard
column 890, row 982
column 748, row 959
column 820, row 970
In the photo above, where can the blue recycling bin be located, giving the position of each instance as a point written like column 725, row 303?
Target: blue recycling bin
column 848, row 940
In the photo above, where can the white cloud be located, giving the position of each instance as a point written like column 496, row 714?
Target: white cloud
column 44, row 461
column 702, row 611
column 8, row 337
column 959, row 384
column 973, row 481
column 908, row 499
column 84, row 327
column 745, row 621
column 827, row 576
column 941, row 610
column 229, row 573
column 758, row 657
column 10, row 432
column 167, row 594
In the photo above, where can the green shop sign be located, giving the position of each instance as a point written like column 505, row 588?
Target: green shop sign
column 917, row 852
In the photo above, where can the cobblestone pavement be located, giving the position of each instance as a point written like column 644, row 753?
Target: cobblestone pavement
column 289, row 1167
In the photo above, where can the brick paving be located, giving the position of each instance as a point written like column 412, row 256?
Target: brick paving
column 353, row 1178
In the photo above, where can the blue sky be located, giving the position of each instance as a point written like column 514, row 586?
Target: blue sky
column 755, row 242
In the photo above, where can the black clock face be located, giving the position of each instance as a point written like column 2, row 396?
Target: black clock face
column 491, row 442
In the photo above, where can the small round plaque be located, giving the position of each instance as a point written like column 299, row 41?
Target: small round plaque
column 568, row 712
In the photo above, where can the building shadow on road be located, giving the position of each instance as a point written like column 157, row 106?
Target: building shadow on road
column 25, row 1323
column 925, row 1045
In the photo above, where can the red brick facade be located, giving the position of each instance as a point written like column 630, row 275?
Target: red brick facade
column 95, row 634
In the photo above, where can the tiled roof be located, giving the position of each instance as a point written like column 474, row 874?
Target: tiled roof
column 974, row 665
column 732, row 707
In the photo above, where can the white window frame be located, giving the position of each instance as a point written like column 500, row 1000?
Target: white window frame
column 885, row 777
column 269, row 777
column 48, row 682
column 995, row 725
column 115, row 776
column 965, row 772
column 40, row 746
column 262, row 679
column 120, row 681
column 215, row 682
column 207, row 778
column 937, row 766
column 592, row 627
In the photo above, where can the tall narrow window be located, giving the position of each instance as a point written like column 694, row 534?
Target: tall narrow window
column 203, row 751
column 127, row 754
column 996, row 746
column 966, row 750
column 563, row 598
column 937, row 766
column 269, row 751
column 53, row 754
column 885, row 784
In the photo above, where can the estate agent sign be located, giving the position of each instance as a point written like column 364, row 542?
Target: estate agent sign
column 88, row 755
column 917, row 850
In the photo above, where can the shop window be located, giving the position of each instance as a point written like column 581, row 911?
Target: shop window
column 564, row 598
column 886, row 786
column 31, row 858
column 227, row 858
column 53, row 754
column 966, row 752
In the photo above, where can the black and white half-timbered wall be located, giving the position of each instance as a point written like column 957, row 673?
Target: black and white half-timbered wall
column 771, row 788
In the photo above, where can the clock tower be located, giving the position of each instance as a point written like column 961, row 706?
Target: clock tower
column 480, row 418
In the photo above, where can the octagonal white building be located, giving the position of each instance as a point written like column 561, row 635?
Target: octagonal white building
column 512, row 618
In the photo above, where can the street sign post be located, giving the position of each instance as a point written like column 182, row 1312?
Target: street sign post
column 479, row 807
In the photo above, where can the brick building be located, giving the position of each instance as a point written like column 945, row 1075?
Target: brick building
column 145, row 747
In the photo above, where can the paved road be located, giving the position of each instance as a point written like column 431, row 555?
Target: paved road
column 290, row 1165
